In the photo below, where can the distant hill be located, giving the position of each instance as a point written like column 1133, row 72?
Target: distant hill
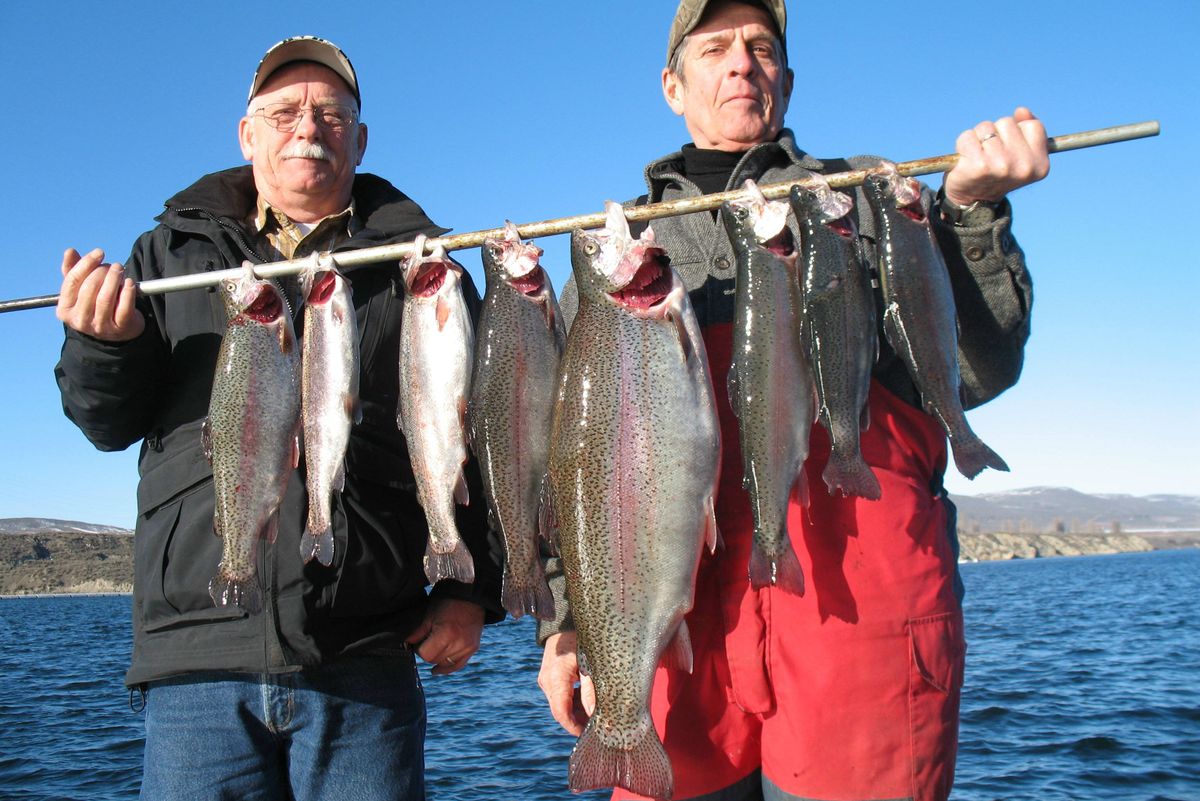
column 1038, row 509
column 41, row 525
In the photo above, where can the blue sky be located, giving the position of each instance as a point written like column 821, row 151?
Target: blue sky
column 484, row 111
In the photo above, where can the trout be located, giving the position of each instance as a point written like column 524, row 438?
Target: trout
column 329, row 396
column 919, row 316
column 634, row 454
column 250, row 434
column 770, row 382
column 436, row 345
column 517, row 351
column 840, row 332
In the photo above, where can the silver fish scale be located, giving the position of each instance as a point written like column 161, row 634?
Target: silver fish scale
column 329, row 394
column 839, row 309
column 253, row 418
column 772, row 394
column 512, row 399
column 633, row 459
column 435, row 373
column 920, row 323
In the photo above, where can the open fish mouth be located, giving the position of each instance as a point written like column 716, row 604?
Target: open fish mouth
column 841, row 226
column 322, row 288
column 650, row 284
column 782, row 244
column 265, row 305
column 427, row 278
column 531, row 283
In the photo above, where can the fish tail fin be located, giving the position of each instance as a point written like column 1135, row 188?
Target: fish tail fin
column 852, row 475
column 643, row 769
column 456, row 565
column 226, row 590
column 972, row 455
column 532, row 598
column 782, row 570
column 318, row 545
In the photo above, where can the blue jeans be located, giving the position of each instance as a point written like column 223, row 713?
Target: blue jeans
column 353, row 729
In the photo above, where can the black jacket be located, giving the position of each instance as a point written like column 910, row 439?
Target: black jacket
column 156, row 389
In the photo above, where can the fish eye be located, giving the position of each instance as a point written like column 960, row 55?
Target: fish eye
column 590, row 247
column 741, row 212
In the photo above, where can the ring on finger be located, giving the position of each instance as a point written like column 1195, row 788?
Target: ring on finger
column 992, row 135
column 449, row 660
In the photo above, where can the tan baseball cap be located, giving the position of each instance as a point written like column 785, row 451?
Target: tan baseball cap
column 305, row 48
column 690, row 12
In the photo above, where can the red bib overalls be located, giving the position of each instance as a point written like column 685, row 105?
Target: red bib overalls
column 850, row 691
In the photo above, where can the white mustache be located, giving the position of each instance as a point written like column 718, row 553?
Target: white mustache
column 306, row 150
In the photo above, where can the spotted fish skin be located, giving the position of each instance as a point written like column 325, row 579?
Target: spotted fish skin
column 329, row 397
column 251, row 431
column 840, row 331
column 634, row 454
column 517, row 350
column 436, row 352
column 770, row 381
column 919, row 315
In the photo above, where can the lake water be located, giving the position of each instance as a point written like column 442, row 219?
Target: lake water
column 1083, row 682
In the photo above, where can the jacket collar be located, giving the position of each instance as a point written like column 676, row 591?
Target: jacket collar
column 230, row 197
column 781, row 152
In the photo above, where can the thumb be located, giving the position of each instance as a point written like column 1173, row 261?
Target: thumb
column 587, row 694
column 1023, row 114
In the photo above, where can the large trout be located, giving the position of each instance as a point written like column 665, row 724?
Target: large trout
column 329, row 396
column 839, row 329
column 436, row 345
column 634, row 451
column 918, row 313
column 770, row 381
column 250, row 434
column 517, row 350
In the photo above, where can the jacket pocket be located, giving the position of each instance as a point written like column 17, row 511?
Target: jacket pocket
column 176, row 552
column 937, row 651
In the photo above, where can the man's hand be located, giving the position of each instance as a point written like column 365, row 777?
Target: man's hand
column 571, row 706
column 997, row 157
column 97, row 299
column 449, row 635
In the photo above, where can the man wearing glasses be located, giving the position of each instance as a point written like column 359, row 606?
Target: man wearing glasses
column 315, row 696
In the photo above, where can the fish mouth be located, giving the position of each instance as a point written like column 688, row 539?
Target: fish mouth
column 322, row 288
column 531, row 283
column 913, row 211
column 782, row 244
column 427, row 278
column 841, row 226
column 650, row 284
column 266, row 305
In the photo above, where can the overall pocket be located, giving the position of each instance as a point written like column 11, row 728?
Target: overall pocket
column 937, row 650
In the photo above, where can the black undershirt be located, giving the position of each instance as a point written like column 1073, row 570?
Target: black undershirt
column 709, row 169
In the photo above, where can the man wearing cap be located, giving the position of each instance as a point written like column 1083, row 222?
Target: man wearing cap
column 316, row 696
column 851, row 690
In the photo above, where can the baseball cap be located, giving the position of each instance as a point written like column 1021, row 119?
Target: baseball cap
column 305, row 48
column 690, row 12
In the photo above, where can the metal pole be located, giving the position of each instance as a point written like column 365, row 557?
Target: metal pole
column 562, row 225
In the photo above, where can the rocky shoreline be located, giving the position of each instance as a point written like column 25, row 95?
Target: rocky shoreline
column 53, row 563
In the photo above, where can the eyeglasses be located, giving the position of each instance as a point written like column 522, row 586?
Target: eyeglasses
column 285, row 117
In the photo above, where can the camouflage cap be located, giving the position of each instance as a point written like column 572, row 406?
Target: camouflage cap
column 690, row 12
column 305, row 48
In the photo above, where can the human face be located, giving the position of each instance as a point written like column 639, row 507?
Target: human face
column 734, row 88
column 307, row 173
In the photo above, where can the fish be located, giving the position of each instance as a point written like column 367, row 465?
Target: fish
column 770, row 380
column 919, row 315
column 839, row 329
column 329, row 396
column 437, row 343
column 634, row 455
column 517, row 350
column 251, row 433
